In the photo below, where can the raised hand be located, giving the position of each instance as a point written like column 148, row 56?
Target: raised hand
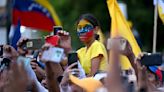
column 53, row 71
column 113, row 81
column 67, row 72
column 18, row 75
column 65, row 40
column 40, row 73
column 128, row 52
column 10, row 52
column 125, row 50
column 142, row 79
column 20, row 44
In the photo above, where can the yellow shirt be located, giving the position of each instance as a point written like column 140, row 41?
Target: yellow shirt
column 85, row 55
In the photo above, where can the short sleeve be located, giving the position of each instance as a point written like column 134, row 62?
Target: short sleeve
column 97, row 49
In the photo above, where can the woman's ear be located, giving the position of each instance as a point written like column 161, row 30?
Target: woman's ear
column 96, row 29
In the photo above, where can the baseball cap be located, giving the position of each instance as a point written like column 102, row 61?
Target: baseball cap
column 89, row 84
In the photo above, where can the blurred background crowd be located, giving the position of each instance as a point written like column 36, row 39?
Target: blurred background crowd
column 81, row 46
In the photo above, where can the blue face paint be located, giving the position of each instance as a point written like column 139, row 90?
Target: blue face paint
column 85, row 29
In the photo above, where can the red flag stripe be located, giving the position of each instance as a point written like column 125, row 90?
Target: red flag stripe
column 33, row 20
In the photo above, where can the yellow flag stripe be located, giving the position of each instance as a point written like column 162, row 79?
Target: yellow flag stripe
column 48, row 6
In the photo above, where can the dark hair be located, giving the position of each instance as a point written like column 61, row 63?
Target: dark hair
column 90, row 18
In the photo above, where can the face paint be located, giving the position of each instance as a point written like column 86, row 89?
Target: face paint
column 85, row 30
column 85, row 37
column 82, row 23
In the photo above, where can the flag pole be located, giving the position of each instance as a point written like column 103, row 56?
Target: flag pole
column 155, row 27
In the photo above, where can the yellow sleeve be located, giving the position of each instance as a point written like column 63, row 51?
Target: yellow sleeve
column 97, row 49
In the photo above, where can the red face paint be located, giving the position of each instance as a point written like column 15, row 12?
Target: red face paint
column 85, row 37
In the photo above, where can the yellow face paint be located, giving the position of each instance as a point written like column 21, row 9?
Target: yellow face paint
column 82, row 23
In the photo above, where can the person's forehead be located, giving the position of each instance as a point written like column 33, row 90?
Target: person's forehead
column 83, row 22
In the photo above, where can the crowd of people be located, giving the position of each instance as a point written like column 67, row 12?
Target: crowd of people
column 96, row 69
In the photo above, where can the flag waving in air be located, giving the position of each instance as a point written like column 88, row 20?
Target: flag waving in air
column 38, row 14
column 120, row 27
column 161, row 9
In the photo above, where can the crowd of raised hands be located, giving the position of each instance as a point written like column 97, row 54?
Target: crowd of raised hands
column 48, row 76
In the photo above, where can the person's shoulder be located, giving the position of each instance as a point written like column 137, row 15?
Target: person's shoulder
column 97, row 43
column 81, row 49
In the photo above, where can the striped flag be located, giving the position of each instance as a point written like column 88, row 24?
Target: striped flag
column 38, row 14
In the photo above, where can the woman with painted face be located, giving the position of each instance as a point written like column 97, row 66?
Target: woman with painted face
column 92, row 57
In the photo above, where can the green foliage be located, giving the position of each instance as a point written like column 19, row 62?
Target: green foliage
column 140, row 12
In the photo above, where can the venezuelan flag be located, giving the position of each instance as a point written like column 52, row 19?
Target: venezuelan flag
column 38, row 14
